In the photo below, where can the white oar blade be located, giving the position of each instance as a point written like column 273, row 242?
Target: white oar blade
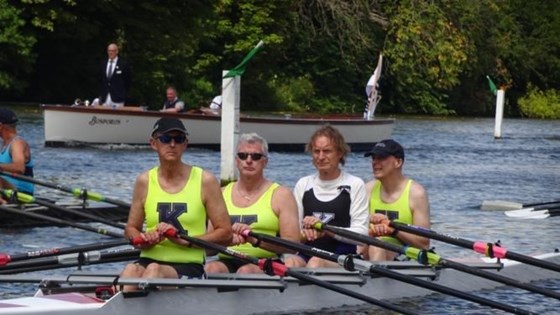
column 537, row 216
column 500, row 205
column 540, row 214
column 520, row 212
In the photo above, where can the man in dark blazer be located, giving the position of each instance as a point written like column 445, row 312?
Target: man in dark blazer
column 115, row 79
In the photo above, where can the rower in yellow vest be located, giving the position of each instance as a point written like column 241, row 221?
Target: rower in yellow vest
column 257, row 204
column 393, row 196
column 179, row 196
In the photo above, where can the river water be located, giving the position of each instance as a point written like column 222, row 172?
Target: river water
column 457, row 160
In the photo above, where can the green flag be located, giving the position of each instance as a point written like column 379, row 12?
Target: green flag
column 240, row 68
column 492, row 86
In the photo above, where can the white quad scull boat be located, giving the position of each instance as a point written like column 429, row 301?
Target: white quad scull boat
column 251, row 294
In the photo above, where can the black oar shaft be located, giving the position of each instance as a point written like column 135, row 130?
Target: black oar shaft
column 479, row 247
column 70, row 260
column 548, row 206
column 25, row 198
column 532, row 261
column 282, row 270
column 75, row 191
column 6, row 258
column 441, row 261
column 538, row 204
column 371, row 267
column 60, row 222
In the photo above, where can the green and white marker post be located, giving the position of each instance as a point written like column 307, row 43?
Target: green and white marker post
column 500, row 96
column 231, row 95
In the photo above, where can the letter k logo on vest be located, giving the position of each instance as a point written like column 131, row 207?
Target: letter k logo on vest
column 169, row 212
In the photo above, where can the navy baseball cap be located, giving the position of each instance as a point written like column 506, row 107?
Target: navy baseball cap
column 7, row 116
column 166, row 124
column 385, row 148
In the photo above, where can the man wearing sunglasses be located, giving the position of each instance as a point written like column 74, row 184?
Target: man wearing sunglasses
column 174, row 195
column 257, row 204
column 332, row 196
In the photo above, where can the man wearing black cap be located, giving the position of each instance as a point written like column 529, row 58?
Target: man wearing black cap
column 393, row 196
column 174, row 195
column 15, row 155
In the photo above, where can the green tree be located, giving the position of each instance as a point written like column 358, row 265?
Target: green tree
column 427, row 54
column 16, row 49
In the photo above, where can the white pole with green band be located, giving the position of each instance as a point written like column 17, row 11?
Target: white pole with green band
column 231, row 98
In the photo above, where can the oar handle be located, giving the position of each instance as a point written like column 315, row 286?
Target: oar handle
column 174, row 233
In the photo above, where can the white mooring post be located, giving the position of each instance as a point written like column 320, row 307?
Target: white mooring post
column 500, row 95
column 231, row 92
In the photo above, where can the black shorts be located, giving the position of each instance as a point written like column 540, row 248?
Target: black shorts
column 232, row 264
column 187, row 270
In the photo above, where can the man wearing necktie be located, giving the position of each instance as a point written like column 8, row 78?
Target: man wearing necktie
column 115, row 79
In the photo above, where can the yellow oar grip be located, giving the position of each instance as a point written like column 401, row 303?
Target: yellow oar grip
column 95, row 196
column 20, row 196
column 318, row 226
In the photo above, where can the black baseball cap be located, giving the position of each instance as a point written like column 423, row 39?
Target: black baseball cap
column 7, row 116
column 167, row 124
column 385, row 148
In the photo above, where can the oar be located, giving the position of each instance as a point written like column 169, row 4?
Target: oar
column 78, row 192
column 275, row 268
column 487, row 249
column 60, row 221
column 350, row 263
column 509, row 205
column 426, row 257
column 74, row 255
column 531, row 213
column 25, row 198
column 542, row 214
column 6, row 258
column 70, row 260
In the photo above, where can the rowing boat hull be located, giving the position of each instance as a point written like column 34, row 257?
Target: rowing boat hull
column 65, row 125
column 294, row 298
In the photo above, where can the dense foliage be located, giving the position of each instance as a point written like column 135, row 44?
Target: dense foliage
column 317, row 57
column 539, row 104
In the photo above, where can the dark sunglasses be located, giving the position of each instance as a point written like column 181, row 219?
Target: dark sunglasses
column 166, row 139
column 254, row 156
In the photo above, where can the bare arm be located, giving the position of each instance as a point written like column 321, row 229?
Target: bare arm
column 136, row 214
column 19, row 150
column 216, row 210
